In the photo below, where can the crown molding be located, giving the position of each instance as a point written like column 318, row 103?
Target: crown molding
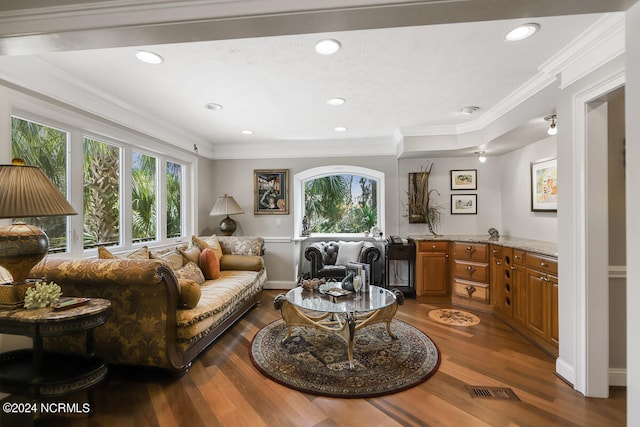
column 295, row 149
column 33, row 74
column 596, row 46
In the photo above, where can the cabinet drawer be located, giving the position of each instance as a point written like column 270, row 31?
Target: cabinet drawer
column 542, row 263
column 475, row 291
column 471, row 271
column 518, row 256
column 478, row 252
column 430, row 246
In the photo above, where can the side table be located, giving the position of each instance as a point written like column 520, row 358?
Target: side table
column 405, row 251
column 39, row 374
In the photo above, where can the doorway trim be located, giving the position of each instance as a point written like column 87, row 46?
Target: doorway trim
column 590, row 330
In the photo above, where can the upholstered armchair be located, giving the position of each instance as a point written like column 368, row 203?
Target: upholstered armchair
column 329, row 259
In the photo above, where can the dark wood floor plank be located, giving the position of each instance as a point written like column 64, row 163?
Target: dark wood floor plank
column 223, row 387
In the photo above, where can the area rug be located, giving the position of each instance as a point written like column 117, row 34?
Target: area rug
column 453, row 317
column 315, row 361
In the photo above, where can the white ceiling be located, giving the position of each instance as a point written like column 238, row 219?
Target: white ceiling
column 397, row 81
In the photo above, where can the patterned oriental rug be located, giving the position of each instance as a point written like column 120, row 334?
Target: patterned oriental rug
column 453, row 317
column 314, row 361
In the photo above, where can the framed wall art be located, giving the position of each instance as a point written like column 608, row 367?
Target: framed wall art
column 271, row 192
column 464, row 204
column 464, row 179
column 544, row 186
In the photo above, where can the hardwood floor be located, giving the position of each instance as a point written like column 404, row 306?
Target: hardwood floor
column 223, row 388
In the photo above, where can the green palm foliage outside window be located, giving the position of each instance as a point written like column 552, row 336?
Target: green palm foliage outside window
column 143, row 201
column 341, row 204
column 174, row 199
column 46, row 148
column 101, row 203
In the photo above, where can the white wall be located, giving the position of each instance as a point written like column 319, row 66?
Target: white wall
column 633, row 207
column 488, row 192
column 517, row 218
column 283, row 255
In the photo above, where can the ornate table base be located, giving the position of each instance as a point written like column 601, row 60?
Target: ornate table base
column 344, row 325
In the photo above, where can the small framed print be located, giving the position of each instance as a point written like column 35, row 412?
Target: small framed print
column 464, row 179
column 544, row 186
column 271, row 191
column 464, row 204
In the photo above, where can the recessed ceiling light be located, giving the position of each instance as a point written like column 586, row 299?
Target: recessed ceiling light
column 149, row 57
column 213, row 106
column 522, row 32
column 328, row 46
column 336, row 101
column 468, row 110
column 246, row 132
column 340, row 129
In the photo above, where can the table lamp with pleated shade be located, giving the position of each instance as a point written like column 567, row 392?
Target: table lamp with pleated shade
column 26, row 192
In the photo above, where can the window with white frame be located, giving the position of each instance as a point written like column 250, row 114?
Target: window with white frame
column 45, row 147
column 151, row 200
column 101, row 196
column 339, row 200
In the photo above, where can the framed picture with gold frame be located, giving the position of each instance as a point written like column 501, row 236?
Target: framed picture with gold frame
column 271, row 192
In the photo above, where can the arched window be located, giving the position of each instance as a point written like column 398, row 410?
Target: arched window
column 338, row 200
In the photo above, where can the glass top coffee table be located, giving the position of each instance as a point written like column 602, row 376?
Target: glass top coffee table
column 343, row 315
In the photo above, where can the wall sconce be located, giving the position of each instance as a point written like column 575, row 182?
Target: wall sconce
column 553, row 127
column 481, row 157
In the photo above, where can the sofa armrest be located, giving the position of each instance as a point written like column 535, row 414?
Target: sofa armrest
column 314, row 253
column 369, row 253
column 141, row 327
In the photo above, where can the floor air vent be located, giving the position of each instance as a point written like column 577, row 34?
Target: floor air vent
column 503, row 393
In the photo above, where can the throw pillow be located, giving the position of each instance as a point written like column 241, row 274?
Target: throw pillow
column 210, row 242
column 241, row 262
column 191, row 254
column 104, row 253
column 348, row 252
column 173, row 259
column 209, row 264
column 190, row 271
column 190, row 293
column 142, row 253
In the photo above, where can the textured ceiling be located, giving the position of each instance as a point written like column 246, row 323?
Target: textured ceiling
column 401, row 80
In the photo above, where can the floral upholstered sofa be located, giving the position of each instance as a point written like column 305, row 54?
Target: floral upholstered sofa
column 167, row 305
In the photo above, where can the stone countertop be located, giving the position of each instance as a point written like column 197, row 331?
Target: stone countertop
column 538, row 246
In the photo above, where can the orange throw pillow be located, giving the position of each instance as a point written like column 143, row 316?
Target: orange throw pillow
column 209, row 264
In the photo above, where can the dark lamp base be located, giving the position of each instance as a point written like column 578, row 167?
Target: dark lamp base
column 227, row 226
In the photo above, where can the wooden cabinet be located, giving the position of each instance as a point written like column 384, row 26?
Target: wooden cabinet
column 432, row 271
column 518, row 286
column 470, row 271
column 502, row 280
column 519, row 290
column 542, row 300
column 525, row 290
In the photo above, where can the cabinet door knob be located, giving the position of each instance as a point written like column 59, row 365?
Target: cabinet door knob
column 433, row 247
column 513, row 268
column 498, row 263
column 543, row 264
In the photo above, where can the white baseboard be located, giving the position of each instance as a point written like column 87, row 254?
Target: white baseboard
column 617, row 377
column 566, row 371
column 279, row 284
